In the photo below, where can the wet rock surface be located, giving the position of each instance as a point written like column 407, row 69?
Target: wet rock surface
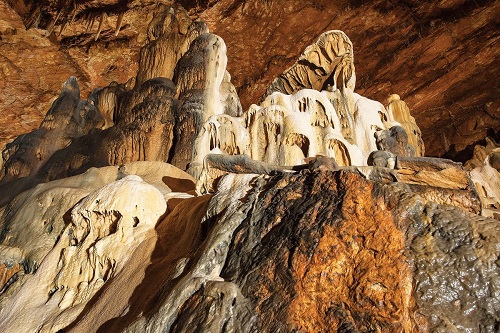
column 456, row 270
column 332, row 251
column 306, row 251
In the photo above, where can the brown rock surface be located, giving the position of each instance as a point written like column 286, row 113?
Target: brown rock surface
column 322, row 250
column 37, row 61
column 32, row 70
column 442, row 58
column 331, row 245
column 330, row 251
column 316, row 263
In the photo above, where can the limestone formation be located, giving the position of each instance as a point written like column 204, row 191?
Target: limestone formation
column 295, row 122
column 399, row 111
column 485, row 173
column 85, row 228
column 203, row 114
column 287, row 129
column 313, row 211
column 105, row 226
column 249, row 251
column 150, row 118
column 205, row 90
column 32, row 223
column 440, row 58
column 67, row 119
column 329, row 61
column 170, row 34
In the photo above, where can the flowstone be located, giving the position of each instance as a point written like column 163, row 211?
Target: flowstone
column 319, row 211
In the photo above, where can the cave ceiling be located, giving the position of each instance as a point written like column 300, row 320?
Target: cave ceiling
column 441, row 57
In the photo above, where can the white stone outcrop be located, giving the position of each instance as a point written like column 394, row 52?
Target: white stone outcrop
column 116, row 211
column 485, row 174
column 311, row 110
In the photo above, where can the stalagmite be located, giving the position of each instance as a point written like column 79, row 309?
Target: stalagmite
column 398, row 111
column 484, row 169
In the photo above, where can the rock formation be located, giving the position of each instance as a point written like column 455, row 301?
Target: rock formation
column 147, row 120
column 160, row 205
column 485, row 173
column 440, row 57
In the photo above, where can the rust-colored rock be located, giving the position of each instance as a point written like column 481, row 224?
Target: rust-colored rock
column 330, row 250
column 441, row 58
column 318, row 264
column 153, row 120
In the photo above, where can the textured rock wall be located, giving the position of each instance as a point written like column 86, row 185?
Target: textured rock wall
column 438, row 56
column 332, row 251
column 153, row 119
column 322, row 213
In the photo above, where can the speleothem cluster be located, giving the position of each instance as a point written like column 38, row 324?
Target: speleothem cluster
column 160, row 205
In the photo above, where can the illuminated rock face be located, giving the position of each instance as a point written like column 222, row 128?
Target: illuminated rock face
column 198, row 113
column 155, row 117
column 287, row 129
column 321, row 213
column 332, row 120
column 439, row 57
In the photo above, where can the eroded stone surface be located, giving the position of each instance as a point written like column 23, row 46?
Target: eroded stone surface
column 350, row 251
column 464, row 298
column 105, row 227
column 33, row 222
column 438, row 56
column 485, row 174
column 324, row 243
column 319, row 241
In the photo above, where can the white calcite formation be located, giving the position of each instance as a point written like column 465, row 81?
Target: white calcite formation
column 91, row 244
column 286, row 129
column 485, row 174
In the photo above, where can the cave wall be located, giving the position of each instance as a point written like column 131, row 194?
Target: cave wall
column 336, row 224
column 441, row 57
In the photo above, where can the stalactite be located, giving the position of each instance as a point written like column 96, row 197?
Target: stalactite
column 75, row 10
column 91, row 20
column 119, row 22
column 53, row 24
column 63, row 27
column 101, row 21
